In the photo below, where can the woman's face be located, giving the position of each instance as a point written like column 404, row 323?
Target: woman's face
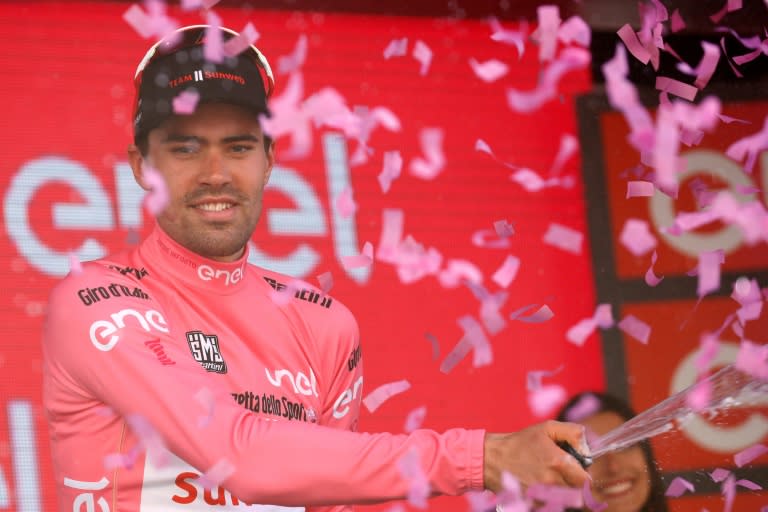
column 621, row 478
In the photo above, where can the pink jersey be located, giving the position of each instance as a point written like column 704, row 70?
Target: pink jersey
column 174, row 382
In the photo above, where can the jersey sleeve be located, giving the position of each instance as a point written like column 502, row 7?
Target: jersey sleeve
column 121, row 353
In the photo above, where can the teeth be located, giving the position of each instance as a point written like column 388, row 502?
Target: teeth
column 214, row 207
column 616, row 488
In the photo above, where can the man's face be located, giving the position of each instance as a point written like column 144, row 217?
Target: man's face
column 215, row 166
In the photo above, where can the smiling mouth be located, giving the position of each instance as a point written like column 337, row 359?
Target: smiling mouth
column 214, row 207
column 616, row 489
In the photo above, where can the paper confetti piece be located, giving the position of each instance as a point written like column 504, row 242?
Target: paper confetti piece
column 633, row 326
column 575, row 29
column 546, row 35
column 294, row 61
column 516, row 38
column 418, row 484
column 678, row 487
column 650, row 277
column 415, row 419
column 503, row 228
column 149, row 438
column 544, row 400
column 676, row 22
column 396, row 48
column 676, row 87
column 435, row 345
column 747, row 455
column 698, row 397
column 205, row 398
column 729, row 492
column 393, row 165
column 568, row 147
column 629, row 38
column 709, row 272
column 585, row 407
column 640, row 189
column 157, row 198
column 719, row 474
column 238, row 44
column 564, row 238
column 709, row 346
column 216, row 474
column 114, row 461
column 457, row 271
column 473, row 331
column 457, row 353
column 749, row 147
column 383, row 393
column 326, row 281
column 579, row 333
column 345, row 205
column 490, row 70
column 75, row 266
column 603, row 316
column 427, row 168
column 423, row 54
column 213, row 44
column 185, row 102
column 487, row 238
column 555, row 497
column 152, row 24
column 543, row 314
column 364, row 259
column 748, row 484
column 490, row 315
column 707, row 65
column 507, row 272
column 590, row 501
column 637, row 238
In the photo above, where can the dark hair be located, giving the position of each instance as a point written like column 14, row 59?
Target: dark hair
column 608, row 403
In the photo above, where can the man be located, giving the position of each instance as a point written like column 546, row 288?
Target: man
column 177, row 376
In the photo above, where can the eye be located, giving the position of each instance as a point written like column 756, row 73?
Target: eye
column 241, row 148
column 185, row 149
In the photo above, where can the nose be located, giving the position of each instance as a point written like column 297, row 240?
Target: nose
column 215, row 169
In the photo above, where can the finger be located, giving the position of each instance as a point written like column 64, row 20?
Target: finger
column 573, row 474
column 571, row 433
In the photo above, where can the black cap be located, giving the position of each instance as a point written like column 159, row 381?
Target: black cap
column 177, row 64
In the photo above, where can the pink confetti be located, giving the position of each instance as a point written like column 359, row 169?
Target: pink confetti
column 418, row 484
column 205, row 398
column 676, row 87
column 216, row 474
column 709, row 272
column 719, row 474
column 650, row 277
column 585, row 407
column 459, row 352
column 555, row 497
column 633, row 44
column 427, row 168
column 383, row 393
column 493, row 321
column 678, row 487
column 114, row 461
column 568, row 147
column 157, row 198
column 490, row 70
column 640, row 189
column 749, row 147
column 546, row 34
column 746, row 456
column 345, row 205
column 326, row 281
column 487, row 238
column 603, row 316
column 545, row 399
column 507, row 272
column 532, row 182
column 636, row 236
column 575, row 29
column 152, row 24
column 676, row 21
column 708, row 349
column 393, row 165
column 238, row 44
column 503, row 228
column 435, row 345
column 516, row 38
column 473, row 331
column 708, row 64
column 590, row 501
column 415, row 419
column 543, row 314
column 636, row 328
column 729, row 492
column 186, row 102
column 423, row 54
column 748, row 484
column 364, row 259
column 546, row 89
column 294, row 61
column 457, row 271
column 480, row 501
column 396, row 48
column 564, row 238
column 749, row 312
column 149, row 438
column 698, row 397
column 579, row 333
column 283, row 296
column 213, row 44
column 75, row 266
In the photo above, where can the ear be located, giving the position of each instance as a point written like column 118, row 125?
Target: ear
column 136, row 160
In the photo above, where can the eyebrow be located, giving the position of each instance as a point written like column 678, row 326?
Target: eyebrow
column 178, row 137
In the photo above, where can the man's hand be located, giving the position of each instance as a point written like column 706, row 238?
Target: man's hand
column 532, row 456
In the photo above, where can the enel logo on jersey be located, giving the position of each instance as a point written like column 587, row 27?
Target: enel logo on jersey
column 103, row 333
